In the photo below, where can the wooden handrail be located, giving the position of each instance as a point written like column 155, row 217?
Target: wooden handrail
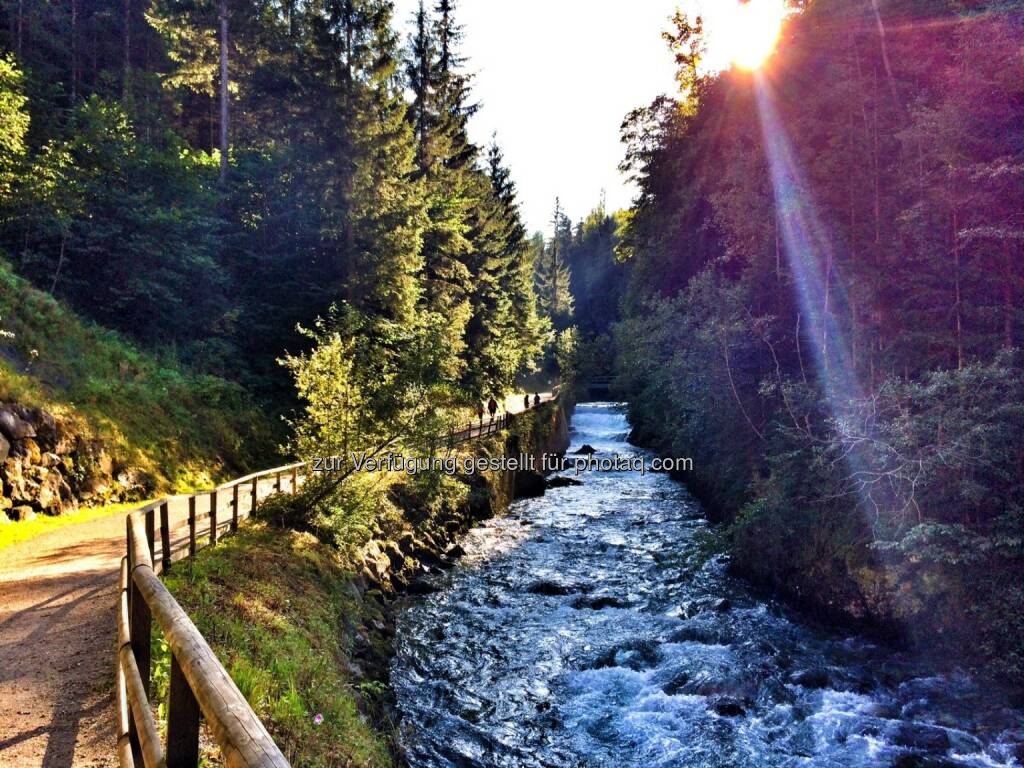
column 199, row 682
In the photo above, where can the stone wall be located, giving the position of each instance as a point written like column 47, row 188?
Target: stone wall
column 48, row 467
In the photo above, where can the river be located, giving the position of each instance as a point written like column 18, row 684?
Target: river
column 589, row 628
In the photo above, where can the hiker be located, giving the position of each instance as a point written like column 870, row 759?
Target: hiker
column 526, row 402
column 480, row 411
column 492, row 406
column 536, row 399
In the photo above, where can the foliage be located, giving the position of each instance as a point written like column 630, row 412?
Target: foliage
column 181, row 427
column 13, row 122
column 823, row 297
column 339, row 191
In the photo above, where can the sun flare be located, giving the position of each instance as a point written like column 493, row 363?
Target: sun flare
column 743, row 34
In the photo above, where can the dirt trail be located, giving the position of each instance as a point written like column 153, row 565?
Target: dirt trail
column 57, row 643
column 58, row 637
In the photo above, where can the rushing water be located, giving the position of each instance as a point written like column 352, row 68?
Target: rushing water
column 585, row 628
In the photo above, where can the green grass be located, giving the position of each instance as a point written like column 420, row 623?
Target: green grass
column 272, row 605
column 183, row 428
column 17, row 532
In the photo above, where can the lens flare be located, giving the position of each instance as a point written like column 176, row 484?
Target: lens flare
column 742, row 34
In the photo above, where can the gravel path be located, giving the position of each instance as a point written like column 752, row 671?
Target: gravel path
column 57, row 644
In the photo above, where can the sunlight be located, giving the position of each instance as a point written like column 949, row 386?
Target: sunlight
column 743, row 34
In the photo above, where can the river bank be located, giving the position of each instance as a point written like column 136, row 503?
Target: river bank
column 307, row 630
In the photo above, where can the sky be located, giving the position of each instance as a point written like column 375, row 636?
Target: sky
column 554, row 79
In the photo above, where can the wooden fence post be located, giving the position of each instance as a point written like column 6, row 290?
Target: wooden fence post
column 129, row 587
column 255, row 493
column 295, row 479
column 165, row 536
column 213, row 516
column 151, row 535
column 277, row 482
column 141, row 622
column 234, row 507
column 182, row 721
column 191, row 526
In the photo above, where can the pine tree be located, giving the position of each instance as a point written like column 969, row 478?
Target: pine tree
column 553, row 277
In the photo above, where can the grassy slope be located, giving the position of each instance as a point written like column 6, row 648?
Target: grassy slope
column 271, row 603
column 182, row 428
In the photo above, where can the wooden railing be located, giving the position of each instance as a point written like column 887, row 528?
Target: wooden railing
column 489, row 425
column 158, row 535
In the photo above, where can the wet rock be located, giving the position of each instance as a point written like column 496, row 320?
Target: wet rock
column 722, row 605
column 698, row 634
column 529, row 485
column 599, row 603
column 727, row 706
column 810, row 678
column 420, row 586
column 562, row 482
column 637, row 655
column 921, row 737
column 585, row 449
column 454, row 552
column 552, row 588
column 5, row 449
column 676, row 684
column 688, row 610
column 922, row 761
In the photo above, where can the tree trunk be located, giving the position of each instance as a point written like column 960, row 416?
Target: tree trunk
column 74, row 51
column 1007, row 295
column 21, row 24
column 223, row 90
column 60, row 261
column 126, row 79
column 957, row 292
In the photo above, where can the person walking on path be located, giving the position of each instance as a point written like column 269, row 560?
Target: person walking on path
column 526, row 402
column 536, row 399
column 480, row 412
column 492, row 406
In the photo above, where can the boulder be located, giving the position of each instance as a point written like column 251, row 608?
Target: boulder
column 420, row 586
column 395, row 556
column 599, row 603
column 585, row 449
column 47, row 430
column 722, row 605
column 49, row 497
column 22, row 513
column 528, row 485
column 923, row 737
column 727, row 706
column 454, row 552
column 13, row 427
column 28, row 448
column 552, row 588
column 676, row 684
column 810, row 678
column 407, row 543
